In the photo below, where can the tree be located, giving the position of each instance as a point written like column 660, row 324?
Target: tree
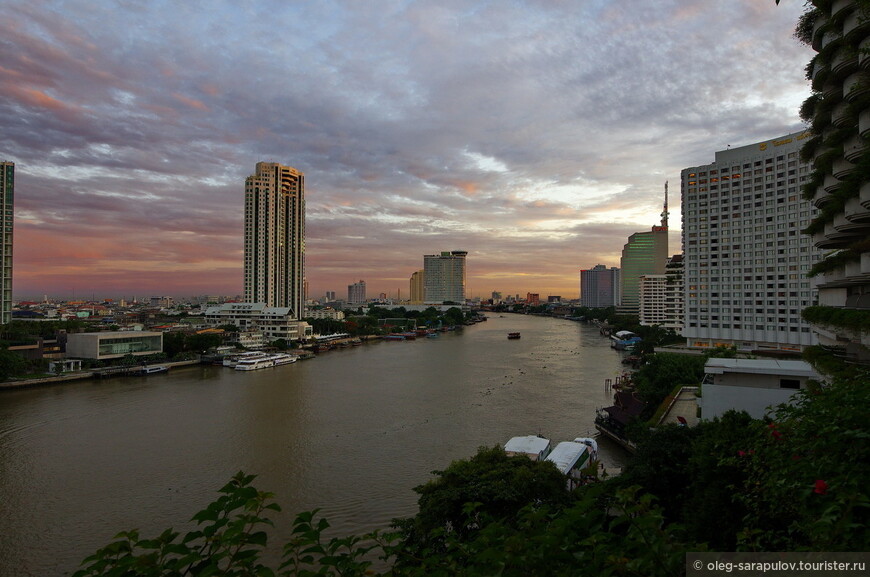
column 498, row 486
column 11, row 364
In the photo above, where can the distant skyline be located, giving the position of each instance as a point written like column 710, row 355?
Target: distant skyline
column 536, row 136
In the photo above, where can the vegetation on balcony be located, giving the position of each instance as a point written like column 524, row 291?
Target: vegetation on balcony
column 850, row 187
column 838, row 317
column 834, row 261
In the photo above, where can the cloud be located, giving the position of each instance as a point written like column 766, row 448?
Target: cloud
column 535, row 135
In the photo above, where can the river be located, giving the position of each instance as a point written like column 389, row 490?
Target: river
column 350, row 432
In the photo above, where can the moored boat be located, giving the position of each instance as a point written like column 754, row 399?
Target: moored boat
column 232, row 360
column 575, row 459
column 150, row 370
column 255, row 364
column 283, row 359
column 513, row 335
column 535, row 447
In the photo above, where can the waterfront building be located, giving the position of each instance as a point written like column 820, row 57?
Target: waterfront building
column 751, row 385
column 417, row 286
column 599, row 287
column 7, row 196
column 113, row 344
column 327, row 313
column 839, row 111
column 275, row 237
column 661, row 296
column 746, row 260
column 274, row 322
column 444, row 277
column 356, row 292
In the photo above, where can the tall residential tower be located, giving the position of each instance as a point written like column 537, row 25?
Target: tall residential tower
column 275, row 237
column 644, row 253
column 746, row 261
column 444, row 277
column 7, row 187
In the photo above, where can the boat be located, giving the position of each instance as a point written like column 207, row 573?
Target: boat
column 150, row 370
column 513, row 335
column 394, row 338
column 255, row 364
column 232, row 360
column 575, row 459
column 535, row 447
column 282, row 359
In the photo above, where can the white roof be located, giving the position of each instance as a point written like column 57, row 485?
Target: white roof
column 566, row 454
column 530, row 444
column 760, row 367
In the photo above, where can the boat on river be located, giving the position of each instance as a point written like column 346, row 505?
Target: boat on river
column 535, row 447
column 283, row 359
column 150, row 370
column 255, row 364
column 233, row 360
column 576, row 459
column 513, row 336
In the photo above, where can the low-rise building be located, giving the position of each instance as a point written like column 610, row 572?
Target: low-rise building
column 113, row 344
column 274, row 322
column 751, row 385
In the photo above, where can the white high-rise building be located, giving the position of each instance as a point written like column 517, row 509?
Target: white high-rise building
column 599, row 287
column 444, row 277
column 7, row 188
column 356, row 292
column 745, row 257
column 661, row 296
column 275, row 237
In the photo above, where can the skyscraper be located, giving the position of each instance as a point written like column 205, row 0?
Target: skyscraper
column 599, row 287
column 356, row 292
column 644, row 253
column 7, row 188
column 745, row 257
column 417, row 288
column 444, row 277
column 275, row 237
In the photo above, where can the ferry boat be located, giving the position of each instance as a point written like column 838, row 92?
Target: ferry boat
column 535, row 447
column 263, row 362
column 232, row 360
column 283, row 359
column 150, row 370
column 573, row 457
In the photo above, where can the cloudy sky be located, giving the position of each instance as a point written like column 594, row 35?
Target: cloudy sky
column 536, row 135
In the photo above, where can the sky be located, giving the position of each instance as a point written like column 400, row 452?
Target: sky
column 536, row 135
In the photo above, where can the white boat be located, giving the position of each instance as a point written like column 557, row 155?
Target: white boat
column 254, row 364
column 535, row 447
column 151, row 369
column 232, row 360
column 572, row 457
column 283, row 359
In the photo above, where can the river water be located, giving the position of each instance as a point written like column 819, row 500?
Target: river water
column 350, row 432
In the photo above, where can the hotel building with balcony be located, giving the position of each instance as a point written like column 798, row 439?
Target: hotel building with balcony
column 839, row 113
column 746, row 259
column 444, row 277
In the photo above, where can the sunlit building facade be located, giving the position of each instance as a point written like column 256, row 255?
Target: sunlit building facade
column 356, row 292
column 444, row 277
column 746, row 260
column 275, row 237
column 417, row 287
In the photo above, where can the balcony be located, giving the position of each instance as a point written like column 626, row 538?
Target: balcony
column 864, row 195
column 839, row 8
column 853, row 148
column 845, row 61
column 864, row 122
column 842, row 115
column 856, row 86
column 823, row 241
column 819, row 34
column 830, row 185
column 855, row 26
column 856, row 213
column 864, row 53
column 842, row 168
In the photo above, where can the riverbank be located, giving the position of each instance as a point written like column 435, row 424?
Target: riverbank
column 71, row 377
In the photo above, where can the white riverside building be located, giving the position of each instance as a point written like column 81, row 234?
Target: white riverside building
column 745, row 257
column 274, row 322
column 444, row 277
column 661, row 296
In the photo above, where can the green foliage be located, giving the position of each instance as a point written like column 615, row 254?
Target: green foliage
column 11, row 364
column 228, row 541
column 498, row 486
column 662, row 372
column 852, row 319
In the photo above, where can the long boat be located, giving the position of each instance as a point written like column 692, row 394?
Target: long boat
column 232, row 360
column 255, row 364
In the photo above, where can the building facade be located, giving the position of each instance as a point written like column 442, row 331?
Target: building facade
column 7, row 196
column 661, row 296
column 356, row 292
column 274, row 322
column 839, row 114
column 417, row 286
column 746, row 260
column 645, row 253
column 599, row 287
column 444, row 277
column 113, row 344
column 275, row 237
